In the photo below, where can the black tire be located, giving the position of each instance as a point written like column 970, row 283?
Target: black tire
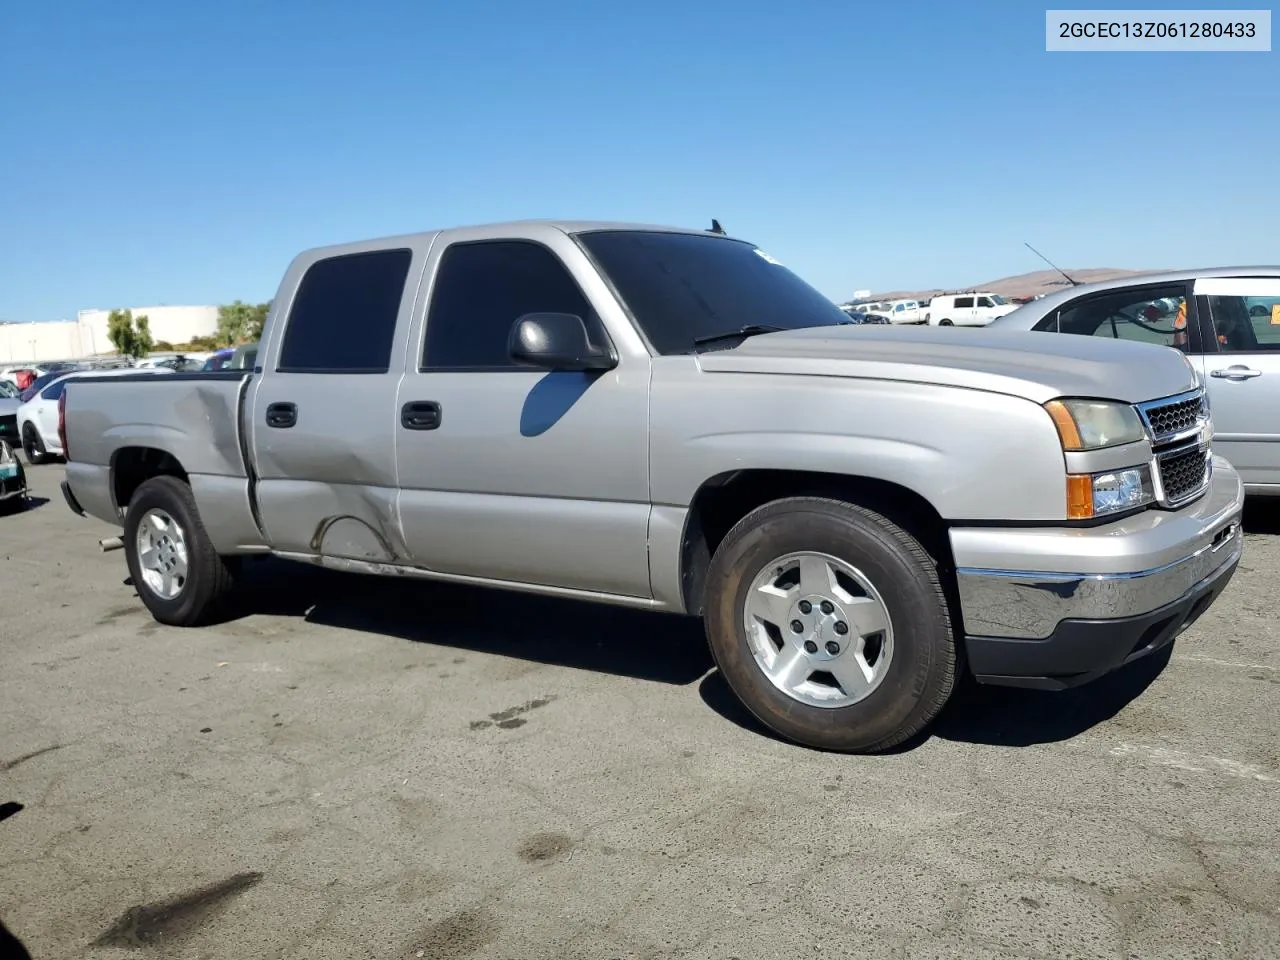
column 33, row 446
column 922, row 672
column 944, row 323
column 209, row 578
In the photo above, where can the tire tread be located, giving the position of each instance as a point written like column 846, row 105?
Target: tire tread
column 947, row 656
column 214, row 580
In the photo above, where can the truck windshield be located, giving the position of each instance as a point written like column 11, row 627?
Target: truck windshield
column 683, row 287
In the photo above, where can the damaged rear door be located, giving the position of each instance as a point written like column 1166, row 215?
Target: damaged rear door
column 322, row 410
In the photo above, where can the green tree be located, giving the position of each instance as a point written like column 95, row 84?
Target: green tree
column 131, row 335
column 233, row 322
column 258, row 320
column 240, row 322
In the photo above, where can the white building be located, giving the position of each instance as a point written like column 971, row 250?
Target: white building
column 86, row 336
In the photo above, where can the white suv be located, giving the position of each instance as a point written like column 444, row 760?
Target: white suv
column 975, row 309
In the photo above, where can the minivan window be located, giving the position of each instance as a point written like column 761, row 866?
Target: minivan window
column 680, row 287
column 962, row 302
column 343, row 318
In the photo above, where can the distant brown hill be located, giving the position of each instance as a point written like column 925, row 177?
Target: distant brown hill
column 1023, row 285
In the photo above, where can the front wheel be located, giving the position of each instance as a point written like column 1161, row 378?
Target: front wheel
column 175, row 568
column 830, row 624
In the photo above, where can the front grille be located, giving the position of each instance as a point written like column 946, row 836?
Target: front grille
column 1184, row 472
column 1168, row 418
column 1179, row 431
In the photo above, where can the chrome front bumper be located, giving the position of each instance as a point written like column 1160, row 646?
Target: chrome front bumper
column 1042, row 577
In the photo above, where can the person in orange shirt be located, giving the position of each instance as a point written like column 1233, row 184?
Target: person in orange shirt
column 1180, row 327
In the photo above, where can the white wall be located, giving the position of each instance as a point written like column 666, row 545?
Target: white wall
column 33, row 342
column 86, row 336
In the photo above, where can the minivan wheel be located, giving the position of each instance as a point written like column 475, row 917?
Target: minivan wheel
column 944, row 323
column 830, row 624
column 178, row 574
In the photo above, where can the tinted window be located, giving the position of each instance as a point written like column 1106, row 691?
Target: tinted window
column 681, row 286
column 343, row 318
column 964, row 302
column 985, row 302
column 1245, row 324
column 55, row 390
column 482, row 289
column 1149, row 315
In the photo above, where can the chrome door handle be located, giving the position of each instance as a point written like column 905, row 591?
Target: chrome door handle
column 1236, row 372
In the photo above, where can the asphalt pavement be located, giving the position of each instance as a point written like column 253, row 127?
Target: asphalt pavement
column 354, row 768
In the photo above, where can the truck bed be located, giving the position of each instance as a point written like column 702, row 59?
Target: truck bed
column 192, row 421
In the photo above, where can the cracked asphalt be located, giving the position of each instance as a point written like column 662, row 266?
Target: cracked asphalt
column 359, row 768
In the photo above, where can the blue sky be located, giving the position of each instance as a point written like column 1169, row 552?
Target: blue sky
column 160, row 152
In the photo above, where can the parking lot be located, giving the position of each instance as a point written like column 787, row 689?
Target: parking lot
column 354, row 767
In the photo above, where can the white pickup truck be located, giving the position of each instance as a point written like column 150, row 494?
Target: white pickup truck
column 670, row 419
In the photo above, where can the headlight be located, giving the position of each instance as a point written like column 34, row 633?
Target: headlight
column 1094, row 424
column 1113, row 491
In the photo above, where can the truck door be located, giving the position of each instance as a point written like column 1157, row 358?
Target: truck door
column 515, row 474
column 322, row 411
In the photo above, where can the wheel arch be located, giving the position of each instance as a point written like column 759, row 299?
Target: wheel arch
column 722, row 500
column 132, row 466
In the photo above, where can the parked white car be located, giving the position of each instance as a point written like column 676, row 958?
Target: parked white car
column 975, row 309
column 38, row 417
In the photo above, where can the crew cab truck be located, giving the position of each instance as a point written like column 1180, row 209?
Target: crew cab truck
column 670, row 419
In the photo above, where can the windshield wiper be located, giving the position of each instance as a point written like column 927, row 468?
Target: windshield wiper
column 750, row 330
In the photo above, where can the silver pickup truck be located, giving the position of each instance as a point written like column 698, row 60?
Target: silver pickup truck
column 670, row 419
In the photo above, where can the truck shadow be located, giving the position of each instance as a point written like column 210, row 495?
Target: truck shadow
column 647, row 646
column 656, row 647
column 1261, row 515
column 996, row 716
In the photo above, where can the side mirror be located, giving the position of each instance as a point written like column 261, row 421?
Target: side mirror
column 557, row 341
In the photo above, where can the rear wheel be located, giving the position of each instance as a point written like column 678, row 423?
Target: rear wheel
column 829, row 622
column 175, row 568
column 33, row 446
column 944, row 323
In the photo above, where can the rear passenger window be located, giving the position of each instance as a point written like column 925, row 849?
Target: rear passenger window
column 481, row 289
column 963, row 302
column 343, row 318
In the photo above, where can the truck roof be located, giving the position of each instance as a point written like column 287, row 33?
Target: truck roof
column 505, row 228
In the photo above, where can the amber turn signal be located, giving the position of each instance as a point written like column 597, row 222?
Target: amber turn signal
column 1079, row 496
column 1066, row 424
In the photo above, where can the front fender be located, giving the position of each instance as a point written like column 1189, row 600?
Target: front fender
column 973, row 455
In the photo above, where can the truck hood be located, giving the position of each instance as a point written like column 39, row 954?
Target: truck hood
column 9, row 406
column 1033, row 365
